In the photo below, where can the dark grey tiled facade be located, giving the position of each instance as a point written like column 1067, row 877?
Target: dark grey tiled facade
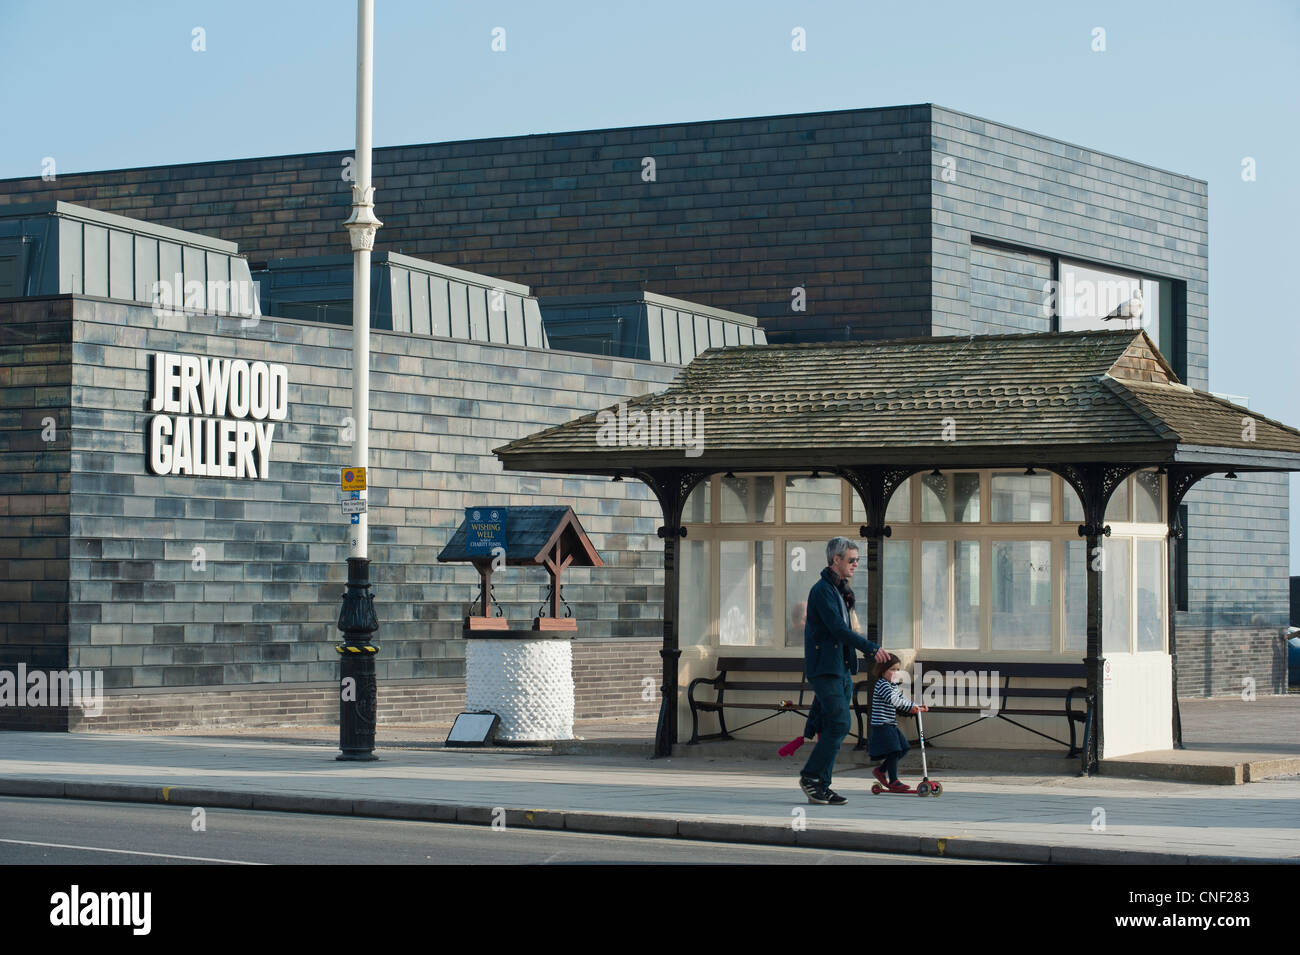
column 859, row 208
column 35, row 392
column 262, row 607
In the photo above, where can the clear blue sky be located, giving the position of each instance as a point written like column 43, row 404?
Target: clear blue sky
column 1190, row 86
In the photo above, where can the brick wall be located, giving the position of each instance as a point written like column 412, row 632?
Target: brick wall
column 1216, row 662
column 608, row 678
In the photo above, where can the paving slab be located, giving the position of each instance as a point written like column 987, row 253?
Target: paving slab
column 993, row 816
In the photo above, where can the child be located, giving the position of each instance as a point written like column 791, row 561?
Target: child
column 887, row 742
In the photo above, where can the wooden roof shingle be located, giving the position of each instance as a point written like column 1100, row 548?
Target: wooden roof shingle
column 953, row 400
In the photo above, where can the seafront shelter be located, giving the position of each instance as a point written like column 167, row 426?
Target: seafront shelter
column 1017, row 496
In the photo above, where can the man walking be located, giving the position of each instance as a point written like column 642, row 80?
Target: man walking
column 830, row 655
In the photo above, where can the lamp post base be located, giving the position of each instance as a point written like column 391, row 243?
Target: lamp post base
column 358, row 691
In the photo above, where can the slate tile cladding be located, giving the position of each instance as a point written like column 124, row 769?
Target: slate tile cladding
column 263, row 607
column 35, row 447
column 740, row 213
column 1009, row 185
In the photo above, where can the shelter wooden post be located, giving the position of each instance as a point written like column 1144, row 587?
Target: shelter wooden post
column 1094, row 483
column 671, row 486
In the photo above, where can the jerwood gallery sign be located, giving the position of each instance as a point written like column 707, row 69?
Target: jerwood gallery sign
column 214, row 417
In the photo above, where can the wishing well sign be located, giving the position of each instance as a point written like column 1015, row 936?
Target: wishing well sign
column 214, row 417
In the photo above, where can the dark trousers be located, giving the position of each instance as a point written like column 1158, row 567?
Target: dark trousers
column 890, row 765
column 834, row 694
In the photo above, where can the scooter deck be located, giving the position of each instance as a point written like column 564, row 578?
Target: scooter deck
column 879, row 790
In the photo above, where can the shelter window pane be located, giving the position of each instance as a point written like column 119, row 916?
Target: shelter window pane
column 966, row 594
column 1073, row 509
column 696, row 510
column 1022, row 595
column 1146, row 497
column 1116, row 587
column 1149, row 575
column 899, row 510
column 813, row 500
column 936, row 628
column 898, row 594
column 1022, row 497
column 748, row 499
column 1076, row 594
column 694, row 606
column 1117, row 508
column 949, row 499
column 804, row 561
column 747, row 588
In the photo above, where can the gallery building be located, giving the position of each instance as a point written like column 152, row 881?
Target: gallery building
column 528, row 281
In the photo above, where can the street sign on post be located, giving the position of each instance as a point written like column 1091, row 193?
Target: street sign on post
column 353, row 479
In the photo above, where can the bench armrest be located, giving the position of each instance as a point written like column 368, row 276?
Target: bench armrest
column 712, row 681
column 1069, row 699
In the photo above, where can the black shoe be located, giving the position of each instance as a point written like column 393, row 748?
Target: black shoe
column 814, row 790
column 832, row 797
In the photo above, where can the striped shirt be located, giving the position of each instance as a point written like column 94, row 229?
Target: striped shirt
column 886, row 701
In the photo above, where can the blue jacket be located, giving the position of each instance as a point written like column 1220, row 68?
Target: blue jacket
column 828, row 643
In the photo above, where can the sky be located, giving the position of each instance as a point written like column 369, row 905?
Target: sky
column 1194, row 87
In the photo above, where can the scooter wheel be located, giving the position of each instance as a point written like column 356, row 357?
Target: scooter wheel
column 876, row 789
column 923, row 789
column 936, row 788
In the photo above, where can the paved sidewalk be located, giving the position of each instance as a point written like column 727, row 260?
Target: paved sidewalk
column 1030, row 818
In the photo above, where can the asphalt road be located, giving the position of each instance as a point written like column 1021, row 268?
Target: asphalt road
column 81, row 832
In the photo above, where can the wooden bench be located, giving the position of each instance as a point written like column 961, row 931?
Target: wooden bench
column 1009, row 696
column 783, row 689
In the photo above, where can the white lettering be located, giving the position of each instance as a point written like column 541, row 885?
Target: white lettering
column 244, row 439
column 259, row 399
column 238, row 389
column 160, row 452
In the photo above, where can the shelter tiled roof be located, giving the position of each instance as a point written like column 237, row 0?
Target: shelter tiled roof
column 956, row 400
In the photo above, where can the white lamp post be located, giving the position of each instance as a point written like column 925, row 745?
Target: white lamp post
column 359, row 694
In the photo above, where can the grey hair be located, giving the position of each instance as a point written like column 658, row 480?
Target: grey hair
column 837, row 546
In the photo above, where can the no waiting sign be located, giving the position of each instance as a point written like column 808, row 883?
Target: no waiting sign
column 353, row 479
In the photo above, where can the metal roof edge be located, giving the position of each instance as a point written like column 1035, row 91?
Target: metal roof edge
column 70, row 210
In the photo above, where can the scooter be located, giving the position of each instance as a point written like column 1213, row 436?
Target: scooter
column 924, row 787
